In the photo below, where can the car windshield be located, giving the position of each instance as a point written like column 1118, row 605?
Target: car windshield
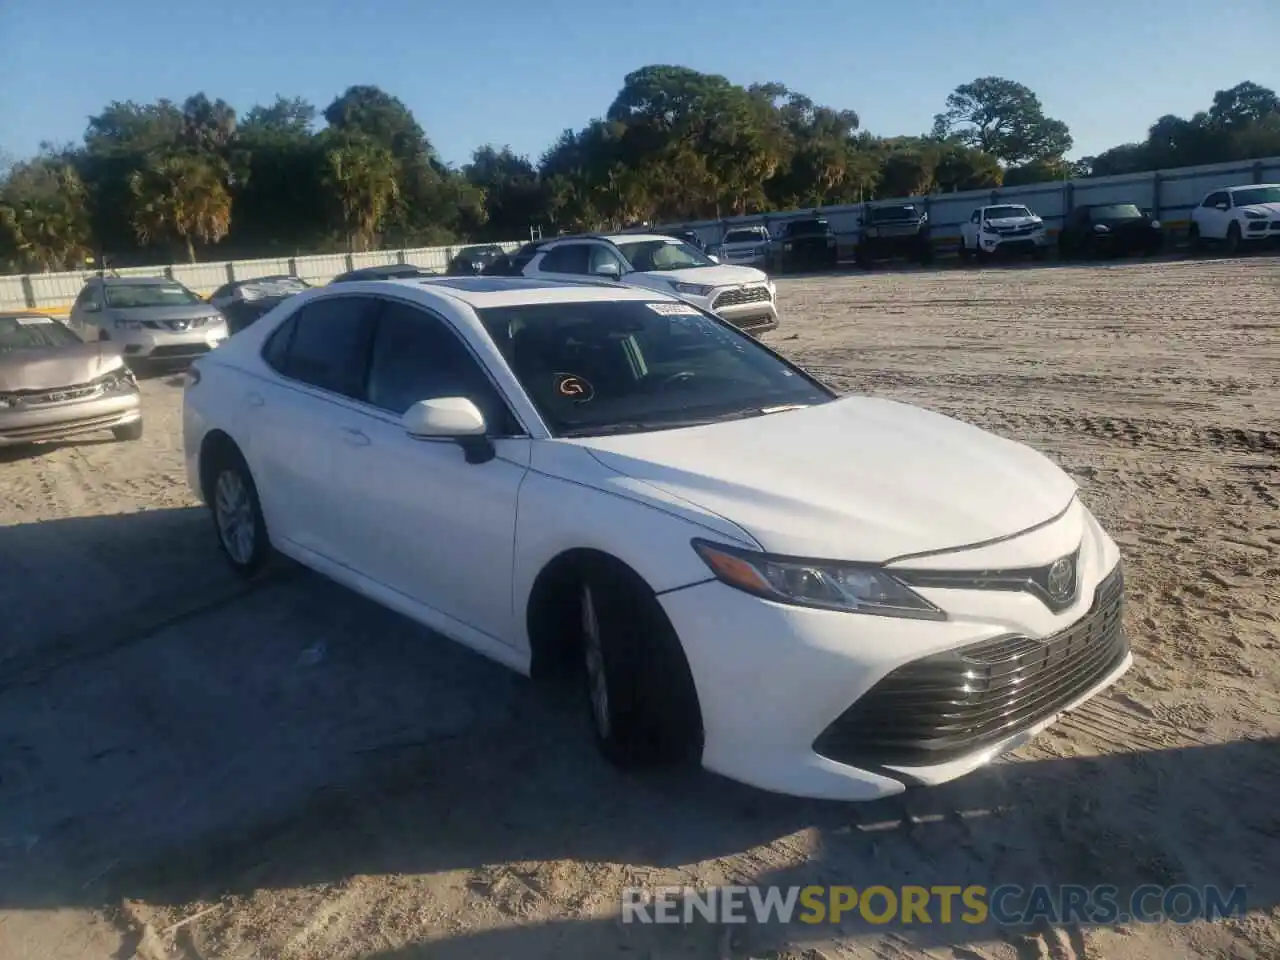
column 629, row 366
column 744, row 236
column 1000, row 213
column 1117, row 211
column 895, row 213
column 130, row 296
column 28, row 333
column 1245, row 198
column 659, row 255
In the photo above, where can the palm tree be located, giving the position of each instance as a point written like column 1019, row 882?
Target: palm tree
column 181, row 197
column 43, row 219
column 362, row 176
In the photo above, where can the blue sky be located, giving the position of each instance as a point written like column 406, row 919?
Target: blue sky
column 519, row 71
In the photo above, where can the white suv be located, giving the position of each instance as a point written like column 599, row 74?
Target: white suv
column 744, row 296
column 1236, row 215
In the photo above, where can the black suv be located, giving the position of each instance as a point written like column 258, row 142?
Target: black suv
column 806, row 245
column 469, row 261
column 1109, row 229
column 898, row 230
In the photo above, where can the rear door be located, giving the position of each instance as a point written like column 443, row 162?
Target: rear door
column 304, row 428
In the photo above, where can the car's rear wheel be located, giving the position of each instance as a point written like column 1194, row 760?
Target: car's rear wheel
column 640, row 692
column 130, row 431
column 237, row 512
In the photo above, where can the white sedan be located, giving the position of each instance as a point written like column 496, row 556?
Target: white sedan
column 824, row 596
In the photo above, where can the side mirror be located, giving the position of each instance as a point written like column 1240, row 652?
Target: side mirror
column 713, row 258
column 92, row 307
column 609, row 270
column 1222, row 206
column 450, row 418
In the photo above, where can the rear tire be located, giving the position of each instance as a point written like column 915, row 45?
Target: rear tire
column 237, row 512
column 128, row 432
column 639, row 690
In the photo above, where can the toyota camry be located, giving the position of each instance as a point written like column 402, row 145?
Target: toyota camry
column 828, row 596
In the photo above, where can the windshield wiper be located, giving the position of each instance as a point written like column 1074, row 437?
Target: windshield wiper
column 642, row 426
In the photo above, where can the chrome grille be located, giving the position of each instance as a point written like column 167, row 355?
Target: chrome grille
column 35, row 398
column 953, row 703
column 734, row 298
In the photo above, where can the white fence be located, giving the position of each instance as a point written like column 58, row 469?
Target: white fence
column 1169, row 194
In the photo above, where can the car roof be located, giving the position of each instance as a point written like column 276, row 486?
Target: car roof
column 634, row 237
column 1247, row 186
column 481, row 292
column 134, row 281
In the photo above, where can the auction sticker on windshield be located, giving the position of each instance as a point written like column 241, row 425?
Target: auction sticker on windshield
column 673, row 310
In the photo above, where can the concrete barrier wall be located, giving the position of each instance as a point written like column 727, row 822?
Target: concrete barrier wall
column 1171, row 194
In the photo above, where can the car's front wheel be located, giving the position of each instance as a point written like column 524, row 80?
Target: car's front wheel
column 130, row 431
column 1233, row 239
column 237, row 513
column 639, row 689
column 1194, row 239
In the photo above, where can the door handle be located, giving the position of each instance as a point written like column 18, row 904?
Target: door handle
column 357, row 438
column 255, row 400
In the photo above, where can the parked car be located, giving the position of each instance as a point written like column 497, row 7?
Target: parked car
column 256, row 288
column 390, row 271
column 1236, row 216
column 1109, row 229
column 896, row 230
column 808, row 244
column 1003, row 228
column 470, row 261
column 742, row 295
column 744, row 246
column 152, row 318
column 54, row 386
column 611, row 480
column 513, row 264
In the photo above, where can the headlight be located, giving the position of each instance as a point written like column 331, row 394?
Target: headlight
column 988, row 228
column 118, row 381
column 786, row 246
column 850, row 587
column 128, row 324
column 1037, row 225
column 1254, row 215
column 691, row 289
column 1155, row 224
column 1101, row 228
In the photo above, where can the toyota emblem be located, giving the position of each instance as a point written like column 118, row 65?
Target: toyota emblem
column 1061, row 580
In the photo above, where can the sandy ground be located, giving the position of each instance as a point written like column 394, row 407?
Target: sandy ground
column 190, row 768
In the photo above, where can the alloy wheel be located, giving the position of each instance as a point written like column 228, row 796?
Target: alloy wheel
column 233, row 510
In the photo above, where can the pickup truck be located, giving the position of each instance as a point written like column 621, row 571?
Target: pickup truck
column 895, row 230
column 1003, row 228
column 744, row 247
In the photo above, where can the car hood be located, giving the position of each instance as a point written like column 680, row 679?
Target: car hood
column 1015, row 221
column 719, row 275
column 744, row 244
column 1270, row 209
column 48, row 368
column 193, row 311
column 858, row 478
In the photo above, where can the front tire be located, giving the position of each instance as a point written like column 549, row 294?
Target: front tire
column 237, row 513
column 128, row 432
column 1233, row 239
column 1194, row 240
column 639, row 689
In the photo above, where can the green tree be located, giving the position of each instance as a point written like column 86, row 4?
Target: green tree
column 44, row 222
column 1002, row 118
column 360, row 174
column 181, row 198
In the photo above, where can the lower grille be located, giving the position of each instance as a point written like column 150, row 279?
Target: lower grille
column 953, row 703
column 734, row 298
column 53, row 431
column 178, row 350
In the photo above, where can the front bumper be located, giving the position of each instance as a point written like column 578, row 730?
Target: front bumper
column 65, row 421
column 146, row 344
column 774, row 681
column 753, row 309
column 1015, row 244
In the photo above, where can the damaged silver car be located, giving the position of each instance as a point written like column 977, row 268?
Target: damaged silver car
column 54, row 386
